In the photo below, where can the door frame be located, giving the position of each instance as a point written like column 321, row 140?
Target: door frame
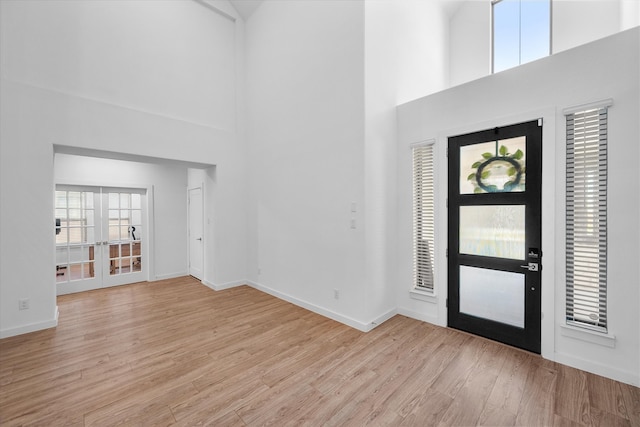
column 202, row 218
column 553, row 166
column 148, row 216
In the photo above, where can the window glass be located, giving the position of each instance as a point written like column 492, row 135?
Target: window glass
column 423, row 217
column 521, row 32
column 586, row 219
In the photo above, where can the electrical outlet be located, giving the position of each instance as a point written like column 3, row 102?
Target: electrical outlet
column 336, row 293
column 23, row 303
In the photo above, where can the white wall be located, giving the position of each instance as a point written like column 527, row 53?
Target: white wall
column 169, row 181
column 79, row 48
column 543, row 89
column 405, row 58
column 323, row 82
column 574, row 22
column 305, row 90
column 629, row 14
column 470, row 42
column 118, row 77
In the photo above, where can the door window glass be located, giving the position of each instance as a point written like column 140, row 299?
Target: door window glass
column 493, row 167
column 75, row 235
column 125, row 232
column 494, row 231
column 493, row 295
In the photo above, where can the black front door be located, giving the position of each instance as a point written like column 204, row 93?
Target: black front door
column 494, row 236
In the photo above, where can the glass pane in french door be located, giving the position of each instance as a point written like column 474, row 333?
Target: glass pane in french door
column 75, row 227
column 125, row 232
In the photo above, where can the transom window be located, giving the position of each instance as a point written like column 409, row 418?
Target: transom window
column 521, row 32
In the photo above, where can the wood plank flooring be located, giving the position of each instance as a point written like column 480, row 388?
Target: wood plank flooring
column 177, row 353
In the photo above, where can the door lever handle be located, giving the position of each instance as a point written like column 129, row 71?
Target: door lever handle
column 532, row 266
column 199, row 238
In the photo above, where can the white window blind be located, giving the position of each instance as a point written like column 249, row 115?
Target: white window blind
column 586, row 219
column 423, row 217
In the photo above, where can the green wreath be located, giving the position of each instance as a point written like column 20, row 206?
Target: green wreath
column 483, row 168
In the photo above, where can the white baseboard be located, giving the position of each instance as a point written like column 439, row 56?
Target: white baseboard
column 32, row 327
column 170, row 275
column 598, row 369
column 383, row 318
column 356, row 324
column 222, row 286
column 419, row 316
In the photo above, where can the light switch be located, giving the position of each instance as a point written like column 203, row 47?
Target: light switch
column 354, row 207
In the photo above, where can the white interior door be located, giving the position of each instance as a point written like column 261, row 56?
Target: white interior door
column 99, row 238
column 196, row 238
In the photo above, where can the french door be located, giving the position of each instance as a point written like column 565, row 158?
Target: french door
column 99, row 237
column 494, row 236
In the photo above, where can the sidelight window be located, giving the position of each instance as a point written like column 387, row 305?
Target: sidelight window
column 586, row 219
column 423, row 217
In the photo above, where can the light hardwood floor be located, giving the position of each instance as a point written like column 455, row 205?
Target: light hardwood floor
column 176, row 352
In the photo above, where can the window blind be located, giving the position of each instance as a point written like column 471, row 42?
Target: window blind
column 586, row 219
column 423, row 217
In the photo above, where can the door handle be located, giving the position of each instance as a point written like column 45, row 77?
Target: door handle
column 199, row 238
column 532, row 266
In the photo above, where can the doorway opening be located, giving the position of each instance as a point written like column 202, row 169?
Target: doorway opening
column 99, row 237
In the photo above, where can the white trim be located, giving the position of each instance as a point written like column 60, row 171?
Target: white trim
column 605, row 103
column 608, row 371
column 222, row 286
column 421, row 316
column 31, row 327
column 214, row 8
column 421, row 295
column 202, row 217
column 607, row 340
column 356, row 324
column 426, row 142
column 148, row 229
column 170, row 275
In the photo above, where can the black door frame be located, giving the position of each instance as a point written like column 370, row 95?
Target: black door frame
column 528, row 338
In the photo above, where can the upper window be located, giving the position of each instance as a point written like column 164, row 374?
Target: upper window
column 521, row 32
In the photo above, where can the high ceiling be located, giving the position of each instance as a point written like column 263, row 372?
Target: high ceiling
column 245, row 7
